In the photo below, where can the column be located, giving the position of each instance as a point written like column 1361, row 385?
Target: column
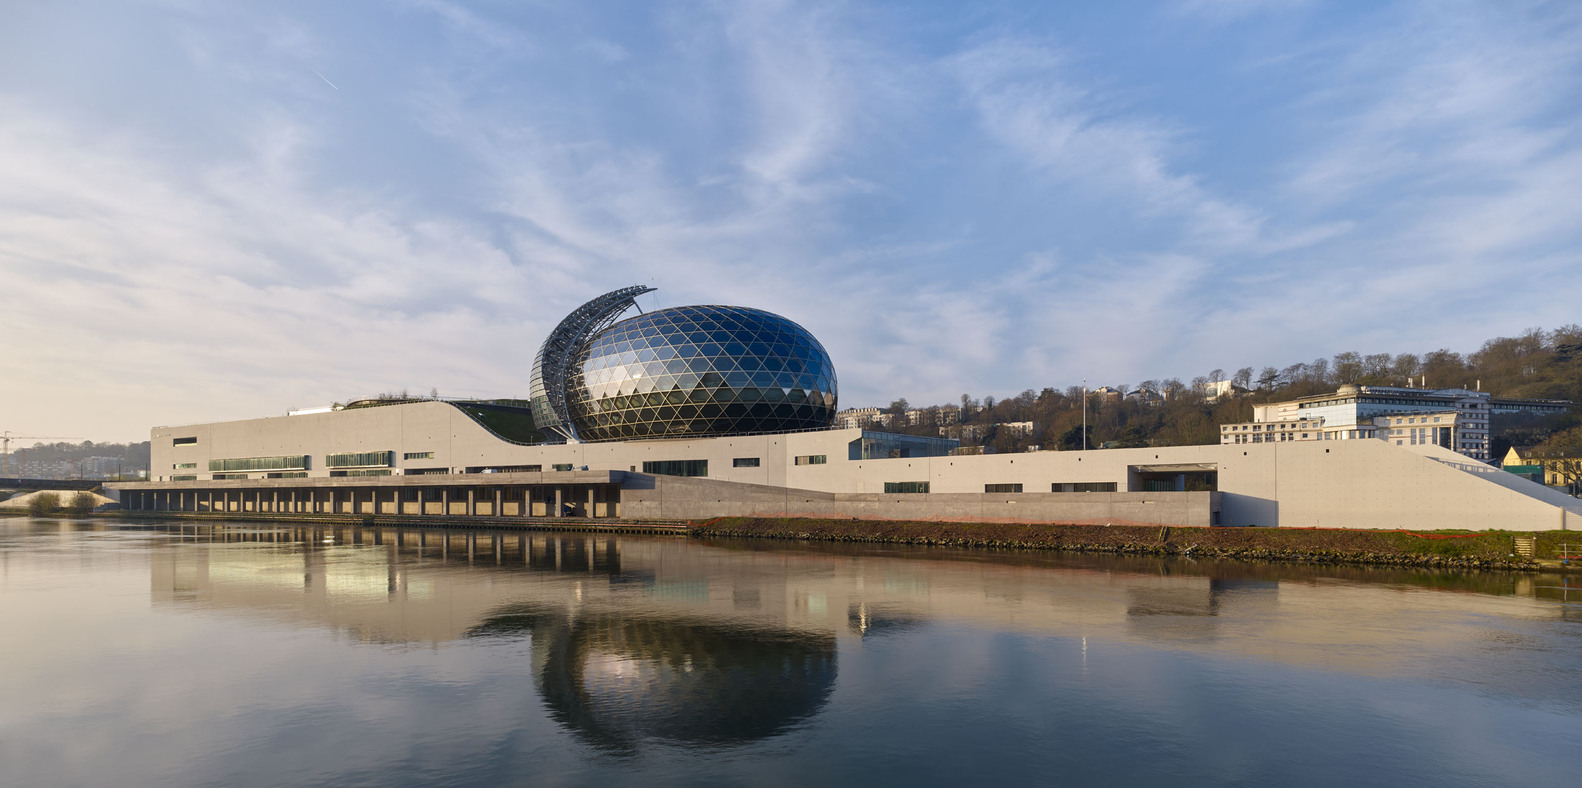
column 444, row 501
column 556, row 512
column 591, row 488
column 499, row 500
column 472, row 502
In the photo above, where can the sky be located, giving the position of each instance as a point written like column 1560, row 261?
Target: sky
column 225, row 210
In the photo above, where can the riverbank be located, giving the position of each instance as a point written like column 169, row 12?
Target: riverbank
column 1487, row 550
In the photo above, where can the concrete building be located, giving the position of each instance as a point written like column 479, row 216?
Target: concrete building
column 852, row 418
column 437, row 460
column 1456, row 419
column 730, row 411
column 1557, row 468
column 1215, row 390
column 1105, row 395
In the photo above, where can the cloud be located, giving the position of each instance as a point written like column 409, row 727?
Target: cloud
column 985, row 200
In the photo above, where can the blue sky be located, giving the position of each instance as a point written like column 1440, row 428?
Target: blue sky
column 225, row 210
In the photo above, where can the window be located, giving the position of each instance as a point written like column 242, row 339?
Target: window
column 677, row 467
column 363, row 472
column 561, row 466
column 744, row 462
column 418, row 455
column 505, row 468
column 1002, row 488
column 187, row 478
column 290, row 462
column 183, row 441
column 1061, row 487
column 906, row 487
column 180, row 466
column 224, row 476
column 812, row 459
column 359, row 459
column 287, row 475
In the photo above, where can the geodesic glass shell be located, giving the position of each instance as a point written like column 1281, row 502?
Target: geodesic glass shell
column 700, row 371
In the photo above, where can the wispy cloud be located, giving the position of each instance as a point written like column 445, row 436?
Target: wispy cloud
column 984, row 200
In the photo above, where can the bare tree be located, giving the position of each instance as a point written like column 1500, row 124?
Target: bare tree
column 1243, row 378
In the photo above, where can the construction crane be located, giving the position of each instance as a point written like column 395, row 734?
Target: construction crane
column 5, row 446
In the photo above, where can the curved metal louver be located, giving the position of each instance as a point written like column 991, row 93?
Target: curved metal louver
column 548, row 384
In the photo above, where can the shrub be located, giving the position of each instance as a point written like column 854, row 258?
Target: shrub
column 43, row 503
column 82, row 503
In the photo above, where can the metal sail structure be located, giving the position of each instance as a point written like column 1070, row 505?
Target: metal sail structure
column 552, row 365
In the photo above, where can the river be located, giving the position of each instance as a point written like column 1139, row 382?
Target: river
column 237, row 654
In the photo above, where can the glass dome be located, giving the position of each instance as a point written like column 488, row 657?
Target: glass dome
column 698, row 371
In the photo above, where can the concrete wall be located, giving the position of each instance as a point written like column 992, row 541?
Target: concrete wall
column 700, row 499
column 1355, row 484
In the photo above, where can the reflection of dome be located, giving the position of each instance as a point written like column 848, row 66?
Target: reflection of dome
column 694, row 371
column 618, row 680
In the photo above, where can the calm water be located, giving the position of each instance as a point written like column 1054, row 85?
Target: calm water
column 241, row 655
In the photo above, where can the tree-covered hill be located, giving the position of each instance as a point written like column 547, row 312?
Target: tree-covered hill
column 1538, row 364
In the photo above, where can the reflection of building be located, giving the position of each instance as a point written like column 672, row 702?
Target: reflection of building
column 614, row 622
column 618, row 680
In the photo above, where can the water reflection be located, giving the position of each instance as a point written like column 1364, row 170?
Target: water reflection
column 615, row 679
column 412, row 586
column 508, row 656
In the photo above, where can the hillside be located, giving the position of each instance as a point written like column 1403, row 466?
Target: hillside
column 1538, row 364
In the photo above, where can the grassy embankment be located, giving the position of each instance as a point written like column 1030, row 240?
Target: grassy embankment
column 1488, row 550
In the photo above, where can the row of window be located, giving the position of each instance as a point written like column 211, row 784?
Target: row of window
column 289, row 462
column 363, row 472
column 675, row 467
column 359, row 459
column 1058, row 487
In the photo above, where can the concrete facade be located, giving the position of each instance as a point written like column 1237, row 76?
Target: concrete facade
column 1355, row 484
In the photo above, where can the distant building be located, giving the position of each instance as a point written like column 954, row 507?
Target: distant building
column 1022, row 428
column 1455, row 419
column 966, row 433
column 1561, row 469
column 948, row 414
column 1105, row 395
column 1147, row 397
column 1215, row 390
column 852, row 418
